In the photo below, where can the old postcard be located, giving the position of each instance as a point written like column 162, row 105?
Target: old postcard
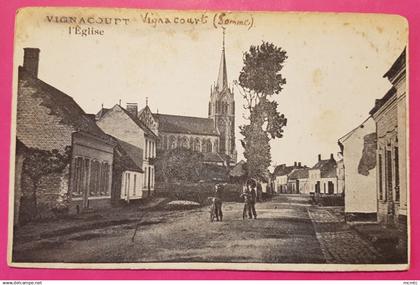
column 209, row 140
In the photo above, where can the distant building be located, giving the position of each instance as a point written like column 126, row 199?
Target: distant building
column 238, row 173
column 50, row 124
column 358, row 148
column 390, row 115
column 298, row 181
column 280, row 177
column 135, row 137
column 323, row 176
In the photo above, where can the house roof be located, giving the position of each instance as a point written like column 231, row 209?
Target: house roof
column 130, row 156
column 282, row 169
column 136, row 120
column 380, row 102
column 101, row 113
column 397, row 66
column 349, row 134
column 62, row 106
column 239, row 169
column 299, row 173
column 328, row 168
column 186, row 125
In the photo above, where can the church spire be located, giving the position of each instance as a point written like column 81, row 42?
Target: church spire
column 222, row 77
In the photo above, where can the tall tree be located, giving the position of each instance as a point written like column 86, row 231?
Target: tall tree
column 259, row 80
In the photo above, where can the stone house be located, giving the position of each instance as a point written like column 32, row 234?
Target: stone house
column 128, row 173
column 358, row 148
column 67, row 160
column 124, row 125
column 323, row 176
column 280, row 177
column 390, row 115
column 298, row 181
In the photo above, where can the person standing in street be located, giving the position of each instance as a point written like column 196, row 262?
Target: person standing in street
column 218, row 202
column 253, row 199
column 246, row 195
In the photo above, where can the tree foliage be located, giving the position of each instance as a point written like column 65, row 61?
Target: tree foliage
column 39, row 163
column 259, row 80
column 179, row 164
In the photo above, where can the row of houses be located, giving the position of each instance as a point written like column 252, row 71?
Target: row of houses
column 372, row 170
column 375, row 156
column 68, row 160
column 325, row 177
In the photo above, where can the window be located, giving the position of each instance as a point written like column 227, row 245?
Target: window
column 397, row 174
column 165, row 142
column 380, row 177
column 145, row 149
column 94, row 178
column 134, row 185
column 77, row 176
column 145, row 175
column 128, row 184
column 388, row 173
column 197, row 144
column 330, row 187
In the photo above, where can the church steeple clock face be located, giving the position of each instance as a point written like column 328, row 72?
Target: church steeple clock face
column 222, row 107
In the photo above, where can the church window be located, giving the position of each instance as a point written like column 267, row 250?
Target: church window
column 172, row 142
column 197, row 144
column 204, row 145
column 184, row 142
column 209, row 146
column 191, row 143
column 165, row 142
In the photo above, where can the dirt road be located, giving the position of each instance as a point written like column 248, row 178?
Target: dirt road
column 283, row 233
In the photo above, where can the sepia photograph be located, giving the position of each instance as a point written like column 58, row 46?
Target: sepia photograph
column 160, row 139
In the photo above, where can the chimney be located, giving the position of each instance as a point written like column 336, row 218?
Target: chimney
column 295, row 164
column 299, row 164
column 332, row 156
column 132, row 109
column 31, row 60
column 319, row 157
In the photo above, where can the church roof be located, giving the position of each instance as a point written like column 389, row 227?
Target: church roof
column 222, row 81
column 186, row 125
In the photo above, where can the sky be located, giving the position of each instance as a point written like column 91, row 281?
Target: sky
column 334, row 69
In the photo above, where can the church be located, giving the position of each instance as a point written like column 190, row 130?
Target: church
column 213, row 136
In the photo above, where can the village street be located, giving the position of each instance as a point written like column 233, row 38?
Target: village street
column 288, row 230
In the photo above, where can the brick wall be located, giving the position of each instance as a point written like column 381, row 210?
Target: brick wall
column 36, row 127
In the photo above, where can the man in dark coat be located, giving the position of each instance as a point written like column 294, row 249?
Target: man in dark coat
column 252, row 200
column 218, row 202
